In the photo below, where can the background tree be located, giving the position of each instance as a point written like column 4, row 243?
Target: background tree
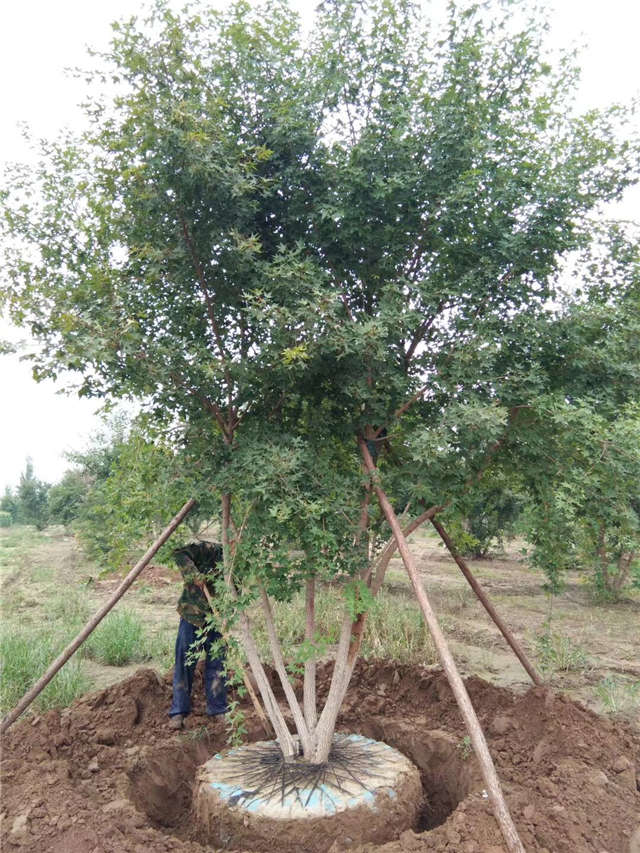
column 9, row 505
column 31, row 496
column 281, row 248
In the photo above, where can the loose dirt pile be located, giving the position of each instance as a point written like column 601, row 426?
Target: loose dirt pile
column 107, row 776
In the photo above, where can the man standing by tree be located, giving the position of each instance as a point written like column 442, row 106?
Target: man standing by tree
column 196, row 562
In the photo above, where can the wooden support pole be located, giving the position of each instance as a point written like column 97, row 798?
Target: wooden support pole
column 92, row 624
column 478, row 741
column 486, row 603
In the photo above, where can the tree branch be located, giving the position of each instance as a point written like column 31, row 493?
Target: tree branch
column 202, row 284
column 421, row 332
column 329, row 715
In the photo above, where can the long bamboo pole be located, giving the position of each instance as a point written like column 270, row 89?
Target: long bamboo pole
column 486, row 603
column 494, row 790
column 64, row 656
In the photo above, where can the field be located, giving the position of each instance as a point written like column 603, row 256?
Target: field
column 589, row 650
column 107, row 776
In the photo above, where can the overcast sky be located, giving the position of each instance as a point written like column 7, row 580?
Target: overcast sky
column 40, row 38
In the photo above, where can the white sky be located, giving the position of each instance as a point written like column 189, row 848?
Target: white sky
column 39, row 38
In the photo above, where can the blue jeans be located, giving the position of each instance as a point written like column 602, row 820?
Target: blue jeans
column 214, row 685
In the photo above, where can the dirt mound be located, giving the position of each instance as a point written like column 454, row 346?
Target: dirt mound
column 106, row 776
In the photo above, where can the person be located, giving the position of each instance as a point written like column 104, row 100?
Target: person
column 196, row 561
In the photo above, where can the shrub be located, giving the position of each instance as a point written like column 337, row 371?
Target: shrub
column 5, row 519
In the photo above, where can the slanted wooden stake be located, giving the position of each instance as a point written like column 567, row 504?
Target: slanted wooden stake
column 64, row 656
column 478, row 741
column 486, row 603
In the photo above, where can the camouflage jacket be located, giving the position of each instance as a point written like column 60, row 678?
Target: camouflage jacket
column 198, row 560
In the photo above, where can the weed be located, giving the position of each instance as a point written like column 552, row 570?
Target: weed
column 464, row 748
column 198, row 733
column 396, row 629
column 618, row 695
column 235, row 724
column 117, row 641
column 24, row 655
column 557, row 653
column 159, row 647
column 457, row 600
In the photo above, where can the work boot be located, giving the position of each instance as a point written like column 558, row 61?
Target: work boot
column 177, row 721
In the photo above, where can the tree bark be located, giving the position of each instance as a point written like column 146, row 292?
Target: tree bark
column 283, row 735
column 64, row 656
column 500, row 809
column 392, row 546
column 488, row 606
column 329, row 715
column 309, row 689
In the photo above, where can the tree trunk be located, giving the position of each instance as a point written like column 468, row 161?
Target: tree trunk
column 309, row 689
column 624, row 568
column 329, row 715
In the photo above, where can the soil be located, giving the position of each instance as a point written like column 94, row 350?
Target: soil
column 107, row 775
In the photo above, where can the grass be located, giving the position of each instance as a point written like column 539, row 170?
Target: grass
column 26, row 652
column 24, row 656
column 394, row 629
column 46, row 600
column 117, row 641
column 71, row 608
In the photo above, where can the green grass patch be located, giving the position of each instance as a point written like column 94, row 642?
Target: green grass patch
column 118, row 640
column 159, row 647
column 24, row 656
column 71, row 608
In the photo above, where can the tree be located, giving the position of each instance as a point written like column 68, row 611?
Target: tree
column 9, row 505
column 580, row 464
column 283, row 248
column 490, row 515
column 131, row 475
column 31, row 495
column 66, row 498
